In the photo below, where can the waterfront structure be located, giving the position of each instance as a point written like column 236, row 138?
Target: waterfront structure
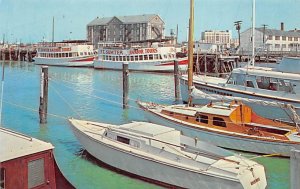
column 66, row 53
column 152, row 59
column 26, row 162
column 222, row 38
column 164, row 156
column 230, row 125
column 126, row 28
column 270, row 40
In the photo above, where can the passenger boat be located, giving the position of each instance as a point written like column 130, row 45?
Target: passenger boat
column 234, row 126
column 148, row 59
column 162, row 155
column 74, row 53
column 26, row 162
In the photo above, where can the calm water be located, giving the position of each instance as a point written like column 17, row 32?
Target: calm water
column 94, row 95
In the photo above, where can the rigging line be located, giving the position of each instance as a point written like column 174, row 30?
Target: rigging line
column 66, row 101
column 35, row 110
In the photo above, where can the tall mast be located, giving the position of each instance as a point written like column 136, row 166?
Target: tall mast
column 190, row 51
column 53, row 31
column 253, row 34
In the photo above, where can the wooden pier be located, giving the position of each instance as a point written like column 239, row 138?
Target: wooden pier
column 17, row 53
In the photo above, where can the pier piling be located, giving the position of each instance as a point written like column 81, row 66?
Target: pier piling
column 44, row 95
column 176, row 80
column 295, row 168
column 125, row 85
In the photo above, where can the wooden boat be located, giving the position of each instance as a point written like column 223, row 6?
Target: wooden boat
column 233, row 126
column 26, row 162
column 162, row 155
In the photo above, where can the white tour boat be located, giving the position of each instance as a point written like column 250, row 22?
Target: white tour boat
column 162, row 155
column 66, row 53
column 234, row 126
column 151, row 59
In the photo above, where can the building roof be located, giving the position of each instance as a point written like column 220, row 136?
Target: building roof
column 275, row 32
column 125, row 19
column 15, row 145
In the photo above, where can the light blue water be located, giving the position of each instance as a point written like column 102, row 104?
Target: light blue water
column 95, row 95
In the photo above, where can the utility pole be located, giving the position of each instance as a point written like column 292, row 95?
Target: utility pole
column 264, row 26
column 238, row 28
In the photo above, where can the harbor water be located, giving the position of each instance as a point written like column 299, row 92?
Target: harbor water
column 95, row 95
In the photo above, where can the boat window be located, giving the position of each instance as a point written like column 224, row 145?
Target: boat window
column 165, row 56
column 140, row 57
column 113, row 58
column 202, row 119
column 67, row 54
column 36, row 173
column 150, row 56
column 136, row 58
column 117, row 58
column 85, row 53
column 123, row 139
column 127, row 58
column 81, row 53
column 70, row 54
column 2, row 178
column 232, row 79
column 240, row 79
column 249, row 84
column 219, row 122
column 145, row 57
column 131, row 58
column 160, row 57
column 155, row 56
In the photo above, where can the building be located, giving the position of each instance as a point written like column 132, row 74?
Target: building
column 222, row 38
column 125, row 29
column 271, row 40
column 26, row 162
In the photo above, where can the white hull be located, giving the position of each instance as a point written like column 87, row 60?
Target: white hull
column 152, row 168
column 230, row 141
column 264, row 111
column 150, row 66
column 72, row 62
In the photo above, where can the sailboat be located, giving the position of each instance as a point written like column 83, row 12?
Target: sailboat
column 280, row 84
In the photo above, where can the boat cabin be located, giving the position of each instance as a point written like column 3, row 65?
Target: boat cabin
column 265, row 79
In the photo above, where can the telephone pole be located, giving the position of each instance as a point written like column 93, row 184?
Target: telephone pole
column 238, row 28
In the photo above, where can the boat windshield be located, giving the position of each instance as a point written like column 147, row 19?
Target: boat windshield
column 261, row 82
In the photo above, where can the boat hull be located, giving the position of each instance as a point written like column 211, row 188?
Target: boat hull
column 150, row 66
column 71, row 62
column 149, row 168
column 264, row 111
column 230, row 141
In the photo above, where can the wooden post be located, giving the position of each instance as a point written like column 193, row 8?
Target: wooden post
column 44, row 95
column 295, row 169
column 125, row 85
column 176, row 80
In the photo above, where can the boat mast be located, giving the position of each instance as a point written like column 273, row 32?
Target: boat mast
column 253, row 33
column 53, row 31
column 2, row 88
column 190, row 51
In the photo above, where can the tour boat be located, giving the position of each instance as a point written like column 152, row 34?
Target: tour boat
column 74, row 53
column 151, row 59
column 164, row 156
column 26, row 162
column 234, row 126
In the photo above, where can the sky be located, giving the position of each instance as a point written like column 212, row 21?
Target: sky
column 30, row 21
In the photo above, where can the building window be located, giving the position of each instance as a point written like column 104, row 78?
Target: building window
column 2, row 178
column 219, row 122
column 290, row 39
column 295, row 38
column 36, row 173
column 277, row 45
column 277, row 37
column 270, row 37
column 283, row 46
column 283, row 38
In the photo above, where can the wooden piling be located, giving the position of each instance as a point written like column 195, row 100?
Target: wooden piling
column 176, row 81
column 295, row 169
column 44, row 95
column 125, row 85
